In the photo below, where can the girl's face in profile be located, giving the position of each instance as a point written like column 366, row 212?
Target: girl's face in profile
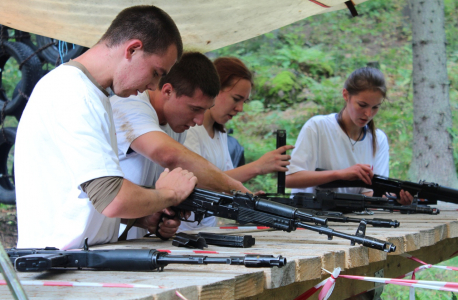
column 230, row 100
column 363, row 106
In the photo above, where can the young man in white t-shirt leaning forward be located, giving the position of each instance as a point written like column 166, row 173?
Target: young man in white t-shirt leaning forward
column 151, row 127
column 69, row 183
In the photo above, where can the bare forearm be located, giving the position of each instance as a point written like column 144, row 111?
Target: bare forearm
column 303, row 179
column 245, row 172
column 210, row 177
column 133, row 201
column 168, row 153
column 270, row 162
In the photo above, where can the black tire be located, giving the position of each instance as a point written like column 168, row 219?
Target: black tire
column 7, row 188
column 26, row 38
column 18, row 88
column 30, row 74
column 51, row 53
column 5, row 35
column 20, row 109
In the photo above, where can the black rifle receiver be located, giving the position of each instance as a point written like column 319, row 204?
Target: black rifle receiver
column 281, row 177
column 247, row 208
column 382, row 185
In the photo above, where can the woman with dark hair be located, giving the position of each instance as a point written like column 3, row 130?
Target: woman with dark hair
column 210, row 139
column 347, row 144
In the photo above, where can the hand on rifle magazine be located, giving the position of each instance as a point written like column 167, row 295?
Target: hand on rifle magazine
column 167, row 226
column 274, row 161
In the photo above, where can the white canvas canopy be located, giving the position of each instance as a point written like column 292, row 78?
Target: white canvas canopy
column 204, row 24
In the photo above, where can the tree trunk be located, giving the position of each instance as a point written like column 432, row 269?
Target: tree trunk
column 432, row 142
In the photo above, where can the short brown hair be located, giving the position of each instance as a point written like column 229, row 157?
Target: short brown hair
column 150, row 24
column 193, row 71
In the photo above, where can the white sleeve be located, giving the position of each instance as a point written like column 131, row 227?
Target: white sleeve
column 83, row 137
column 193, row 141
column 132, row 119
column 382, row 156
column 304, row 156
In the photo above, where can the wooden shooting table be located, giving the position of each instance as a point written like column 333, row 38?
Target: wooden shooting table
column 431, row 238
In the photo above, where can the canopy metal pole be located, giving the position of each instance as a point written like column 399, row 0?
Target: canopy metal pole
column 10, row 276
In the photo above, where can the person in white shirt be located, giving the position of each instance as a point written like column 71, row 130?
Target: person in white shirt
column 69, row 183
column 151, row 128
column 210, row 139
column 347, row 144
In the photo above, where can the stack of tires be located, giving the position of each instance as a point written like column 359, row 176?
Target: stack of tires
column 34, row 57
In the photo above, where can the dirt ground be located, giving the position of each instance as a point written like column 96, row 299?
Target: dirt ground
column 8, row 226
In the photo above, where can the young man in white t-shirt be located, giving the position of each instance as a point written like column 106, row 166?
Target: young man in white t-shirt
column 69, row 183
column 151, row 127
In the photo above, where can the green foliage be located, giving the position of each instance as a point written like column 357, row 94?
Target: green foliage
column 300, row 71
column 10, row 77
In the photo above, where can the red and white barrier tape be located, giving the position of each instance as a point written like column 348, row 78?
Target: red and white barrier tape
column 86, row 284
column 184, row 252
column 251, row 227
column 434, row 285
column 329, row 283
column 425, row 265
column 245, row 227
column 180, row 295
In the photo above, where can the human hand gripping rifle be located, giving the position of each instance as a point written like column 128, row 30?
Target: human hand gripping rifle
column 382, row 185
column 247, row 208
column 38, row 260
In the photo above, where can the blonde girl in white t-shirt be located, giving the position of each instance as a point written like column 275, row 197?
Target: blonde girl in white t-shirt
column 351, row 146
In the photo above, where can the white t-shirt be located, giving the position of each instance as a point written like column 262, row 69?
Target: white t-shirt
column 65, row 138
column 133, row 117
column 216, row 151
column 323, row 144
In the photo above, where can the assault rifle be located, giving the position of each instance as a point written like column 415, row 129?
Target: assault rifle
column 247, row 208
column 39, row 260
column 382, row 185
column 346, row 203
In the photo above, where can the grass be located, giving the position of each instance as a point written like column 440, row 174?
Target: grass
column 397, row 292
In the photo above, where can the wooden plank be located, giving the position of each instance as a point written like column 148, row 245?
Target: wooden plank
column 430, row 238
column 394, row 266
